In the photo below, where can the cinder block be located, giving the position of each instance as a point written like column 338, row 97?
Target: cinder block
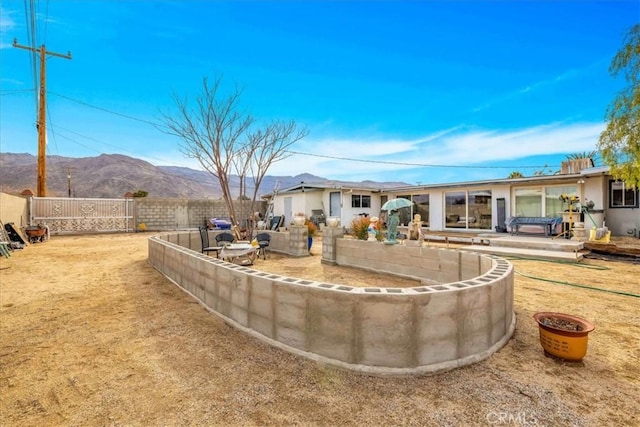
column 262, row 325
column 387, row 332
column 474, row 314
column 498, row 309
column 291, row 336
column 469, row 265
column 330, row 325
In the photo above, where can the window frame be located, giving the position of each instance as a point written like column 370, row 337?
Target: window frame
column 624, row 192
column 357, row 201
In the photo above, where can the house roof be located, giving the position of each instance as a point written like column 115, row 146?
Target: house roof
column 329, row 185
column 376, row 187
column 595, row 171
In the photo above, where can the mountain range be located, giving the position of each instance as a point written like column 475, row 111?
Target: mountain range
column 114, row 175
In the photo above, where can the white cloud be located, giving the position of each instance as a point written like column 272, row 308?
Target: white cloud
column 6, row 25
column 533, row 87
column 475, row 147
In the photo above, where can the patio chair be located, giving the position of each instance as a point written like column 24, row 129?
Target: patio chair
column 263, row 242
column 204, row 239
column 225, row 238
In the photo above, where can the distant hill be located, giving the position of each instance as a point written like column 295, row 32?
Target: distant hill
column 113, row 175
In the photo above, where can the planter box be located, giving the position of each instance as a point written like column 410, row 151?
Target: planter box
column 570, row 345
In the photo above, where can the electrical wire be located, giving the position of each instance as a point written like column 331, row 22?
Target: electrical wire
column 46, row 23
column 160, row 127
column 31, row 41
column 425, row 165
column 154, row 124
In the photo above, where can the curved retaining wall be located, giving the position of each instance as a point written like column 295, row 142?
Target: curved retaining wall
column 384, row 331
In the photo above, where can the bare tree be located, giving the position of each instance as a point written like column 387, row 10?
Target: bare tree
column 225, row 140
column 269, row 145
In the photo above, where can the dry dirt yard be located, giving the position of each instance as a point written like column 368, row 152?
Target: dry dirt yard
column 91, row 335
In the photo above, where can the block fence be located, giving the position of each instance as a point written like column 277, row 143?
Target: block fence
column 461, row 314
column 175, row 214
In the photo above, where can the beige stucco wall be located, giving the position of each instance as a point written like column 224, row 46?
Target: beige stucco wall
column 14, row 209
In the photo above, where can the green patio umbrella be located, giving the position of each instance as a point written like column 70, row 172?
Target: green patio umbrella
column 395, row 204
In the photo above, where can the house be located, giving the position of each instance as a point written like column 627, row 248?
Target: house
column 479, row 206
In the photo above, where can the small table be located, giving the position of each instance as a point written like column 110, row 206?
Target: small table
column 242, row 251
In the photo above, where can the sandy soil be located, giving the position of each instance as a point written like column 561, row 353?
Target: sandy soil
column 92, row 335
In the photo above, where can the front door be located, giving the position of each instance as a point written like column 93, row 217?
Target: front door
column 334, row 204
column 288, row 210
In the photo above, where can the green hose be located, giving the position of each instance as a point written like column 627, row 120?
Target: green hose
column 571, row 263
column 577, row 285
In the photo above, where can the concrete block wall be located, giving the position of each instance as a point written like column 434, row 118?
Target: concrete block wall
column 329, row 237
column 426, row 263
column 280, row 241
column 176, row 214
column 298, row 243
column 383, row 331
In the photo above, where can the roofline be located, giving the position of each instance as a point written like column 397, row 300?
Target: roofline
column 326, row 186
column 595, row 171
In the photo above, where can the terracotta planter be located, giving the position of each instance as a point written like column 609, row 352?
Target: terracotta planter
column 558, row 341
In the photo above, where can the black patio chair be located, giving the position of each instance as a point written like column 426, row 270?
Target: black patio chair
column 225, row 238
column 263, row 242
column 204, row 239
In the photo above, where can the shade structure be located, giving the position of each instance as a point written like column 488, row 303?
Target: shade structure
column 395, row 204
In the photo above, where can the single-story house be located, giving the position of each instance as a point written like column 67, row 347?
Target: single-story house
column 480, row 206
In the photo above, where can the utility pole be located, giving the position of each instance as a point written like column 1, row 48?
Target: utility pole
column 69, row 180
column 42, row 110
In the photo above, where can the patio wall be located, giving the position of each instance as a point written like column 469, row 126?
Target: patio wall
column 462, row 314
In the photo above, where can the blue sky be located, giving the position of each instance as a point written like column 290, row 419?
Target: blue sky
column 484, row 87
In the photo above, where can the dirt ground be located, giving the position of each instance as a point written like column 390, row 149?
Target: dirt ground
column 90, row 334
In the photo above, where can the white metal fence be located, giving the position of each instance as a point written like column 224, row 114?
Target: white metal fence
column 70, row 215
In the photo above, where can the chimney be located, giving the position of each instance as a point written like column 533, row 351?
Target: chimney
column 574, row 166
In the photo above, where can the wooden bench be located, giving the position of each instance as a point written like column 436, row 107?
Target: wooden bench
column 548, row 224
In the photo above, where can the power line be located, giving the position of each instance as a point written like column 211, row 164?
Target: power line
column 156, row 125
column 425, row 165
column 160, row 126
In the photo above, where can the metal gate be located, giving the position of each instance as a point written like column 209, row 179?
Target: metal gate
column 75, row 216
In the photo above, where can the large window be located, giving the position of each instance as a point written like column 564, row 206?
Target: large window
column 554, row 205
column 470, row 209
column 621, row 196
column 529, row 202
column 456, row 209
column 360, row 201
column 421, row 207
column 405, row 214
column 479, row 209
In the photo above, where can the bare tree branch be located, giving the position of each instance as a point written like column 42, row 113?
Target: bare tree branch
column 224, row 139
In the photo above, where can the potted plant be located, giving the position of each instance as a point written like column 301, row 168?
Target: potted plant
column 332, row 221
column 360, row 228
column 299, row 219
column 563, row 335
